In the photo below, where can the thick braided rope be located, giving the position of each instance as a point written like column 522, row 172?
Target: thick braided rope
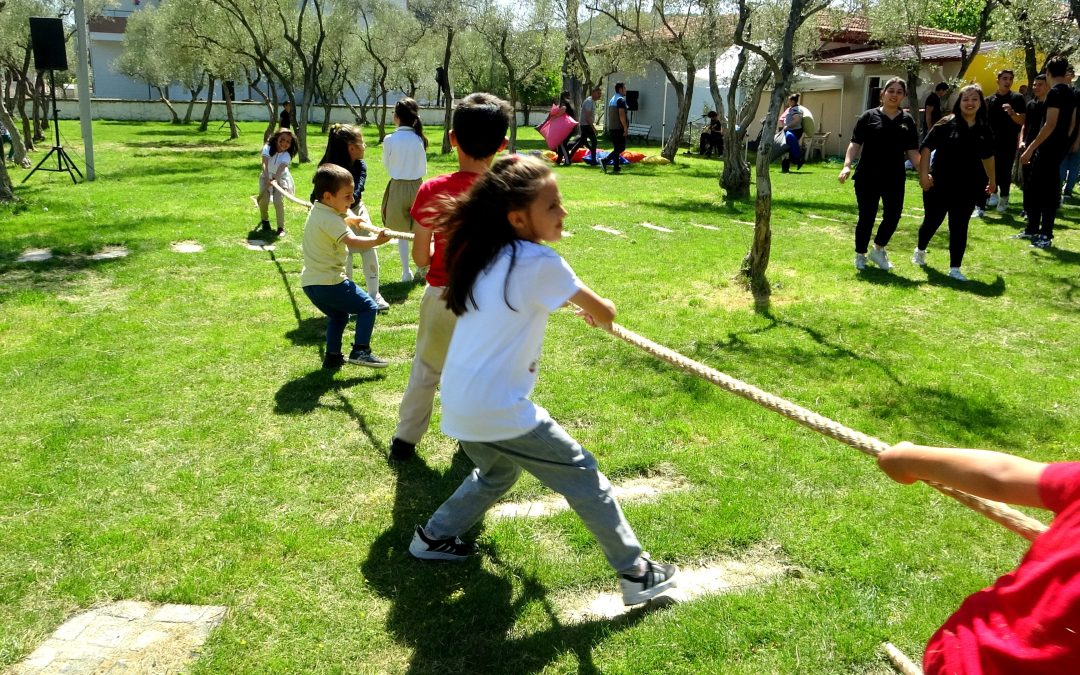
column 901, row 661
column 408, row 236
column 1026, row 527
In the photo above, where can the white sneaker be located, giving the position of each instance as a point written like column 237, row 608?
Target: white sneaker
column 919, row 257
column 978, row 213
column 406, row 276
column 1003, row 205
column 955, row 273
column 993, row 201
column 860, row 261
column 880, row 258
column 381, row 302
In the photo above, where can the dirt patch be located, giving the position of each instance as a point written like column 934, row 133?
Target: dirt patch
column 760, row 565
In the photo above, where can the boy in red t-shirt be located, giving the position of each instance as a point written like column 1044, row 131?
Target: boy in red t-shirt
column 1029, row 620
column 478, row 133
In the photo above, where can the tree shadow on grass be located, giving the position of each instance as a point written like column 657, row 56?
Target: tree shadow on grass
column 460, row 617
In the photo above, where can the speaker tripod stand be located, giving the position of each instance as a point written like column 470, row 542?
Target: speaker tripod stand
column 64, row 163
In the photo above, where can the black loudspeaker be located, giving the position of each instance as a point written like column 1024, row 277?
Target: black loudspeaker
column 632, row 99
column 47, row 37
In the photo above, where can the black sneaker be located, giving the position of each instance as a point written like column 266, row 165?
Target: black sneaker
column 364, row 357
column 658, row 578
column 402, row 450
column 333, row 361
column 451, row 548
column 281, row 232
column 265, row 225
column 1040, row 242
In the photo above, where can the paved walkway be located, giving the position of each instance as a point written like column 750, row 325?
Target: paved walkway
column 125, row 637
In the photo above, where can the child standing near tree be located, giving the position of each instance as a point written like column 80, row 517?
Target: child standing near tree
column 503, row 284
column 405, row 159
column 478, row 133
column 326, row 236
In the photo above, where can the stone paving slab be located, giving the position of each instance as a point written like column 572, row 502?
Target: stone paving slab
column 124, row 637
column 35, row 255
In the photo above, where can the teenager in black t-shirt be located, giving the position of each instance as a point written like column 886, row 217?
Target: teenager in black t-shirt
column 1045, row 152
column 1033, row 121
column 1006, row 110
column 883, row 136
column 963, row 170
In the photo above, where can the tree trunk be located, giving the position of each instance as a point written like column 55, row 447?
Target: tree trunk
column 361, row 115
column 913, row 81
column 35, row 109
column 16, row 138
column 735, row 178
column 327, row 110
column 380, row 117
column 209, row 104
column 525, row 110
column 511, row 147
column 757, row 260
column 447, row 92
column 191, row 104
column 168, row 104
column 6, row 193
column 684, row 96
column 226, row 92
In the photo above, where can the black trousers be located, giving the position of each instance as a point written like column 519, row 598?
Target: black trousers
column 1004, row 158
column 955, row 202
column 618, row 143
column 868, row 192
column 587, row 138
column 710, row 142
column 1044, row 187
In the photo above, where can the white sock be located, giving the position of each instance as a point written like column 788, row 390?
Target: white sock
column 405, row 253
column 371, row 270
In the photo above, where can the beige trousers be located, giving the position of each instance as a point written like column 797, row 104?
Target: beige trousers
column 432, row 342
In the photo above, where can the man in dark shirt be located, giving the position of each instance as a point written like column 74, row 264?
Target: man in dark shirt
column 933, row 108
column 1046, row 151
column 1033, row 121
column 285, row 119
column 712, row 137
column 1006, row 109
column 617, row 128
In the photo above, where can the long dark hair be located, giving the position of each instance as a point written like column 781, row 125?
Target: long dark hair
column 982, row 118
column 408, row 114
column 274, row 139
column 337, row 145
column 478, row 228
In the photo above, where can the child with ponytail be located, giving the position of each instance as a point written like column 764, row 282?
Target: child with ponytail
column 405, row 159
column 276, row 155
column 345, row 147
column 503, row 284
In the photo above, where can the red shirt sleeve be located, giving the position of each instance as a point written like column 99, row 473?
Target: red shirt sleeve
column 1059, row 485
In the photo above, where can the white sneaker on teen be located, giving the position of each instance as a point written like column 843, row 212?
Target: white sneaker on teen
column 993, row 200
column 406, row 275
column 918, row 257
column 880, row 258
column 860, row 261
column 955, row 273
column 381, row 302
column 657, row 578
column 978, row 213
column 1003, row 205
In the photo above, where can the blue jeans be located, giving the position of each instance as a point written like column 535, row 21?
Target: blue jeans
column 337, row 302
column 557, row 460
column 1070, row 167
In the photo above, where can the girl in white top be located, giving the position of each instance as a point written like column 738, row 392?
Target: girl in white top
column 276, row 155
column 503, row 284
column 405, row 159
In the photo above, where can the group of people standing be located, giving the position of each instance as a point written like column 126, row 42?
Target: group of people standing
column 615, row 123
column 964, row 161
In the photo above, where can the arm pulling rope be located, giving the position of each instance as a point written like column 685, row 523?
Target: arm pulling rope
column 408, row 236
column 1021, row 524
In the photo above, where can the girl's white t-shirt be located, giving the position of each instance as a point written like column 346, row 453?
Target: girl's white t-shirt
column 494, row 356
column 275, row 162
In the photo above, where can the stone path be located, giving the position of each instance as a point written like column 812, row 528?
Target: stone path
column 125, row 637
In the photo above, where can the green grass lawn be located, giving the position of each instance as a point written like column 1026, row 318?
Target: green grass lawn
column 172, row 438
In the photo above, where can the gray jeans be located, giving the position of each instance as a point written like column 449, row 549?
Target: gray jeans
column 561, row 464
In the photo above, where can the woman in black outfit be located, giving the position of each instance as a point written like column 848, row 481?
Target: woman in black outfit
column 567, row 108
column 883, row 136
column 962, row 172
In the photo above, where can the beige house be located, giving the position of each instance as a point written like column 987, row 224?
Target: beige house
column 847, row 76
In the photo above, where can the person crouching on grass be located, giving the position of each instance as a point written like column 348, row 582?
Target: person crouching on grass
column 962, row 173
column 503, row 284
column 326, row 237
column 1029, row 620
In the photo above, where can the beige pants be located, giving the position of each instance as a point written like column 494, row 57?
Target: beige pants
column 432, row 342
